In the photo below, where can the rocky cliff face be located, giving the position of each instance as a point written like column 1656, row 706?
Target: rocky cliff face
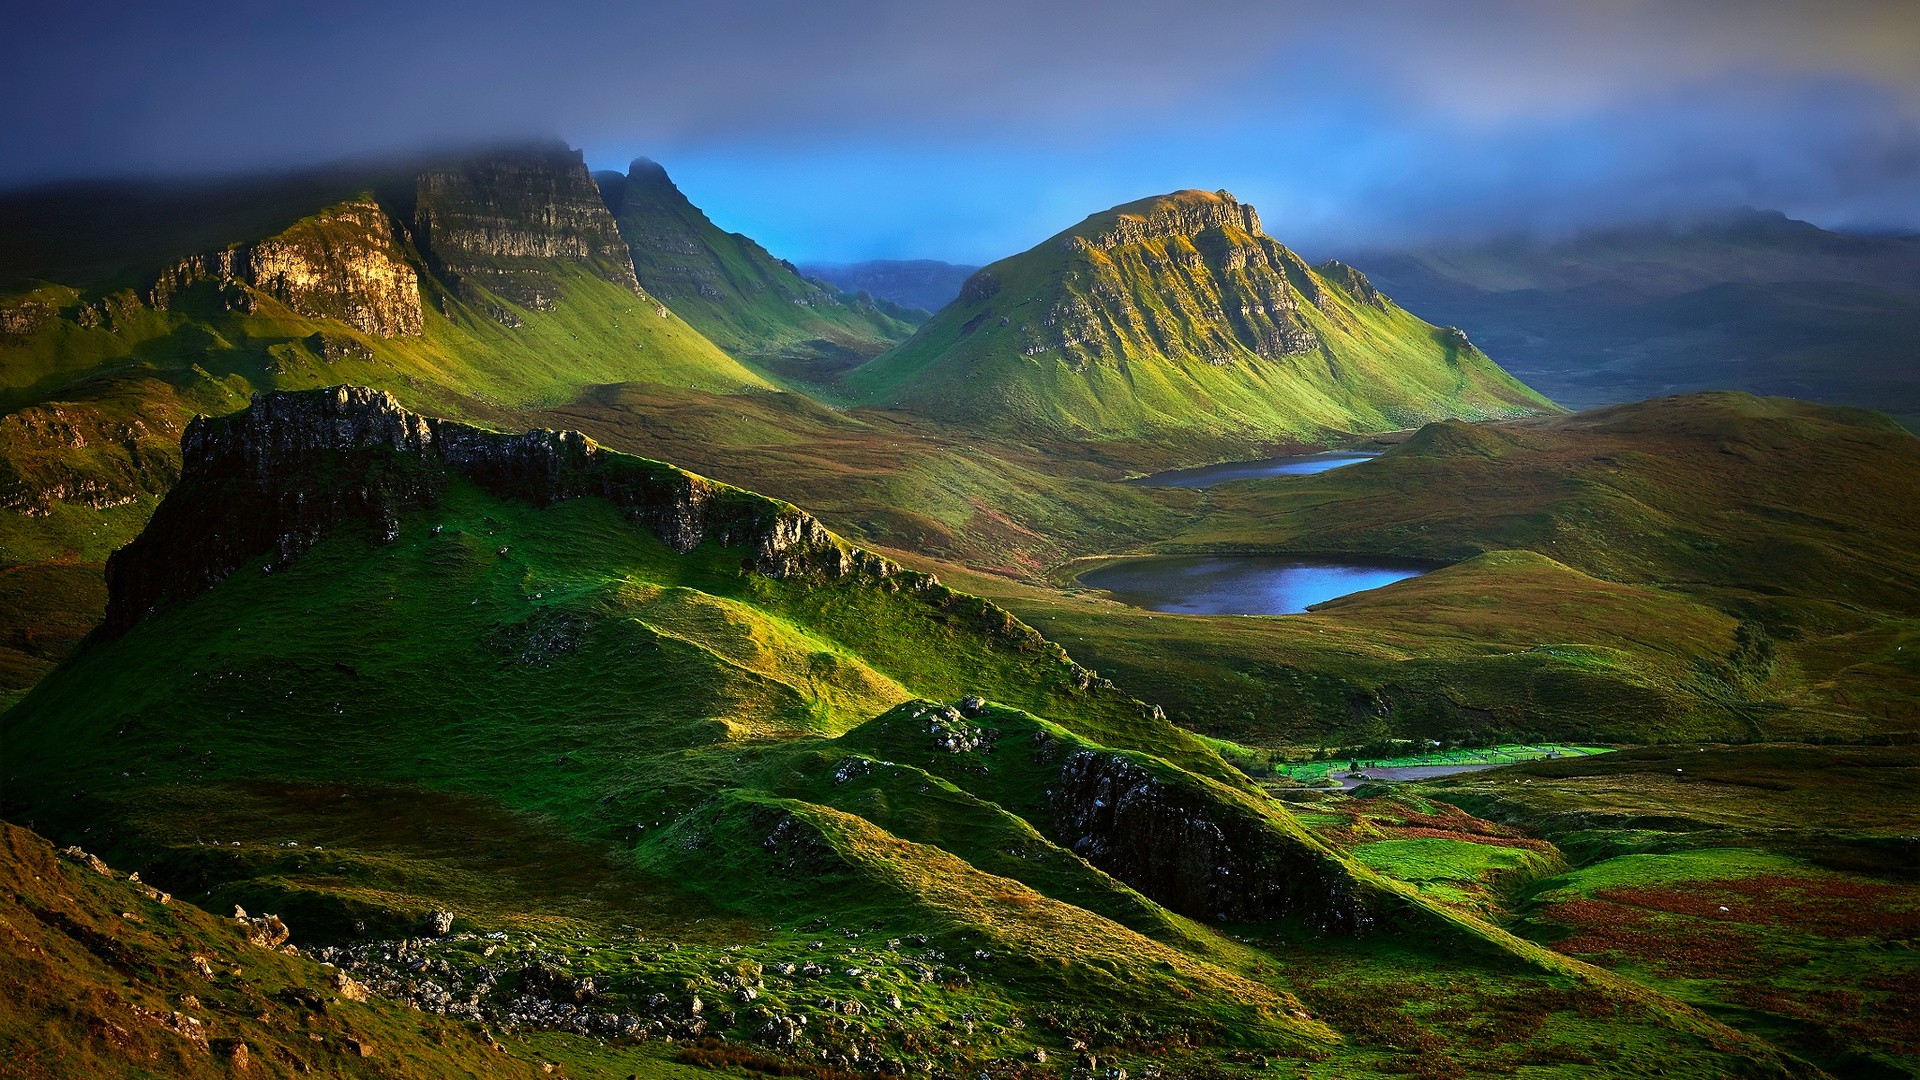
column 274, row 479
column 1186, row 213
column 342, row 263
column 1189, row 274
column 1199, row 855
column 499, row 221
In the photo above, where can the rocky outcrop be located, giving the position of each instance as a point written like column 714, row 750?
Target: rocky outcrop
column 1194, row 851
column 76, row 454
column 1352, row 281
column 499, row 221
column 344, row 263
column 1186, row 213
column 274, row 479
column 21, row 316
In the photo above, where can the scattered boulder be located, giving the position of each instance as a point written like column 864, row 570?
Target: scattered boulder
column 265, row 931
column 349, row 988
column 440, row 923
column 89, row 860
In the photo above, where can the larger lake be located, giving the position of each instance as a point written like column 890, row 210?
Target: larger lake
column 1209, row 475
column 1244, row 584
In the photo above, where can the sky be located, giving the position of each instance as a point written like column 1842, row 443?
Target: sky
column 838, row 130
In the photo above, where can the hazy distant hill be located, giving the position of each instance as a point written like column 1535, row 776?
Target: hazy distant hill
column 1177, row 317
column 927, row 284
column 751, row 304
column 1748, row 301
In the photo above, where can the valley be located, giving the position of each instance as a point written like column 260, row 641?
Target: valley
column 606, row 649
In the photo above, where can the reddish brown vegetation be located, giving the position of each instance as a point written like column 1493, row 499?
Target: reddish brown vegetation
column 1828, row 907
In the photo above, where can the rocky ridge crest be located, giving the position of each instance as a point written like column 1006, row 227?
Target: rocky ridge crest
column 275, row 478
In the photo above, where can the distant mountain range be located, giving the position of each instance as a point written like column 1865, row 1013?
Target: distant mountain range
column 927, row 284
column 1749, row 300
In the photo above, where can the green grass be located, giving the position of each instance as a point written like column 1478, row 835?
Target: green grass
column 1771, row 885
column 1430, row 860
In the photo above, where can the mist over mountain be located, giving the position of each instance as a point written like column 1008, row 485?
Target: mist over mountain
column 1743, row 299
column 927, row 284
column 1371, row 123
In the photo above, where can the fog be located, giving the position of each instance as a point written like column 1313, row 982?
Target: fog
column 846, row 130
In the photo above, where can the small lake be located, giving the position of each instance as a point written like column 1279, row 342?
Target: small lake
column 1244, row 584
column 1209, row 475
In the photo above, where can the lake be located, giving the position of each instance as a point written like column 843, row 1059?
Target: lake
column 1245, row 584
column 1209, row 475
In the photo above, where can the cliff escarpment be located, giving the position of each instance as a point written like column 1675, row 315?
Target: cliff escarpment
column 1178, row 318
column 344, row 263
column 499, row 221
column 274, row 479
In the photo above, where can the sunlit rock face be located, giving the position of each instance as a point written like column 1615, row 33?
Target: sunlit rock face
column 343, row 263
column 1174, row 318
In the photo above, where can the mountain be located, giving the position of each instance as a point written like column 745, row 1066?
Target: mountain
column 484, row 284
column 551, row 740
column 754, row 305
column 927, row 284
column 1749, row 300
column 1176, row 316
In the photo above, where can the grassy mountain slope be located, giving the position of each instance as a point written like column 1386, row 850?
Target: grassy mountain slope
column 757, row 307
column 1749, row 301
column 1178, row 315
column 106, row 976
column 659, row 740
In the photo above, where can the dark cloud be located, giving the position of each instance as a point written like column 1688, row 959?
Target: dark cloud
column 842, row 127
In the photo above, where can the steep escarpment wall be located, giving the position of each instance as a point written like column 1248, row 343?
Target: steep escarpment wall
column 1194, row 850
column 501, row 220
column 275, row 478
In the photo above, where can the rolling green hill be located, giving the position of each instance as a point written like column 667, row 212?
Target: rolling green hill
column 1707, row 566
column 753, row 305
column 1177, row 315
column 649, row 756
